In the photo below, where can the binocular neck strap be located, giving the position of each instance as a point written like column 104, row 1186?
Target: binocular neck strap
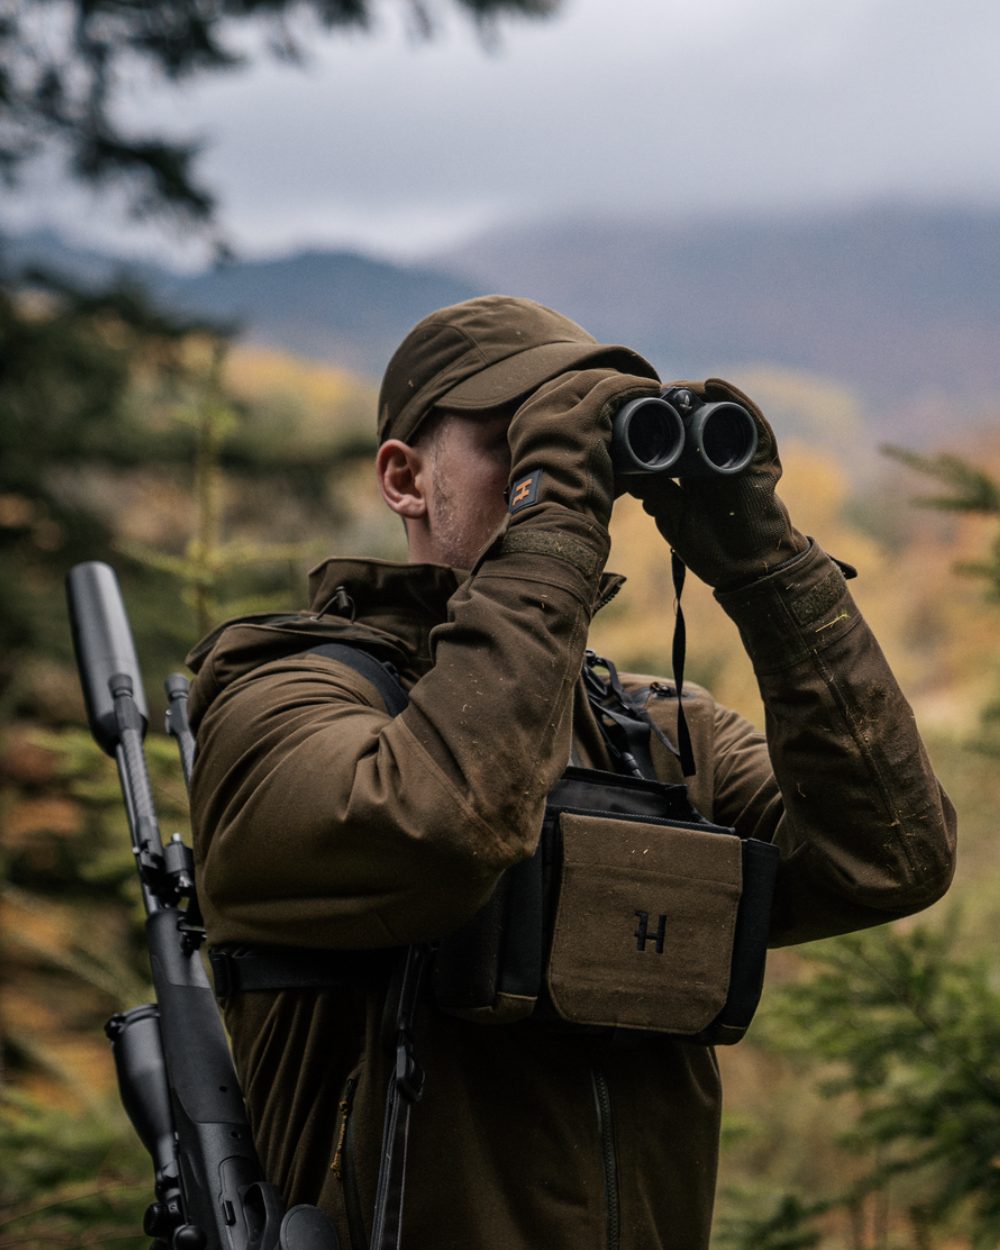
column 684, row 750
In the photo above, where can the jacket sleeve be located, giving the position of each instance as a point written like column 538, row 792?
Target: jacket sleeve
column 866, row 833
column 321, row 821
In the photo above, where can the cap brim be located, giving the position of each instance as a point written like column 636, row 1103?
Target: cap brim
column 517, row 376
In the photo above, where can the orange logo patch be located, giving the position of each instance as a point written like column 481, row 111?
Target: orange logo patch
column 525, row 491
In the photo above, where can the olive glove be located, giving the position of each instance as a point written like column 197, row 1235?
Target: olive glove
column 562, row 485
column 728, row 529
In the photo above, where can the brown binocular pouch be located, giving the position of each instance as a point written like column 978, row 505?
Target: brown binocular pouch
column 635, row 914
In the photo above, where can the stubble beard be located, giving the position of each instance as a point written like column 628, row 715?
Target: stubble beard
column 453, row 531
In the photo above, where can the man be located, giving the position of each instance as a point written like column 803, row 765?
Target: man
column 324, row 822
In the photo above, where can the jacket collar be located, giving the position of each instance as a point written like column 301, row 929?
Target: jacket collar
column 387, row 608
column 406, row 600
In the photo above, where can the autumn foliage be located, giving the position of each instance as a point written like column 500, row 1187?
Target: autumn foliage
column 213, row 478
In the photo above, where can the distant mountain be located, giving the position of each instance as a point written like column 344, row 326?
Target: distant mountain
column 895, row 302
column 333, row 306
column 902, row 305
column 49, row 250
column 336, row 306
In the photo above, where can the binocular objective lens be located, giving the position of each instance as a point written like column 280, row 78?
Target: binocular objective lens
column 650, row 437
column 727, row 438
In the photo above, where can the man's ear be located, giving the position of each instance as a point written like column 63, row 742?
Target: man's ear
column 401, row 471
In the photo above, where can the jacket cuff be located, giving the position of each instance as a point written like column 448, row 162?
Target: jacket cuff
column 559, row 547
column 794, row 612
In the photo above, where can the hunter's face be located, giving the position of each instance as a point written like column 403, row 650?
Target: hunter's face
column 470, row 465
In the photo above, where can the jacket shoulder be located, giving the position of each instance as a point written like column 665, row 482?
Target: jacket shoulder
column 253, row 646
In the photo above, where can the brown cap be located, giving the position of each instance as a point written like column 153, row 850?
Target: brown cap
column 485, row 353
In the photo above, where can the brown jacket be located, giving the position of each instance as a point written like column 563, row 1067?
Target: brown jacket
column 320, row 821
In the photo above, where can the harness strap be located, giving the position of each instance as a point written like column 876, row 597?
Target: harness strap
column 624, row 723
column 245, row 969
column 382, row 675
column 406, row 1082
column 624, row 729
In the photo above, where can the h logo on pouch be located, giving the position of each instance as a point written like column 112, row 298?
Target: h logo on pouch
column 525, row 491
column 643, row 935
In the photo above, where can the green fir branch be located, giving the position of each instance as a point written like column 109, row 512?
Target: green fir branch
column 971, row 490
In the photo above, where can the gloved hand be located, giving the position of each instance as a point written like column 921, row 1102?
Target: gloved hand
column 728, row 530
column 559, row 444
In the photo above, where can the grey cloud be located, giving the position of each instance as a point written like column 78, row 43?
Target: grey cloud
column 769, row 105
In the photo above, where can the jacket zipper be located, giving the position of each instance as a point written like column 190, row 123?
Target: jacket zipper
column 343, row 1167
column 606, row 1137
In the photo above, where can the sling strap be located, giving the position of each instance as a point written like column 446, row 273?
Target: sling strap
column 405, row 1088
column 406, row 1081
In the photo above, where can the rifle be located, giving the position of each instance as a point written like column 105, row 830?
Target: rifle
column 175, row 1073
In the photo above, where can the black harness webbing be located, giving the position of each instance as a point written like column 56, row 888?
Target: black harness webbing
column 380, row 673
column 626, row 729
column 406, row 1081
column 244, row 969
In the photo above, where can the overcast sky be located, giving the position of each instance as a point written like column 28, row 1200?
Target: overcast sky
column 685, row 107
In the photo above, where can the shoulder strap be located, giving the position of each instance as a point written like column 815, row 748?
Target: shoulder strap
column 406, row 1081
column 243, row 969
column 382, row 675
column 624, row 723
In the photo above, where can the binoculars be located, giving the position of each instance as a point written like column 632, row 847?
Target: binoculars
column 681, row 435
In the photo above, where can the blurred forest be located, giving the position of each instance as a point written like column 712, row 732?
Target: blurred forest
column 212, row 483
column 863, row 1110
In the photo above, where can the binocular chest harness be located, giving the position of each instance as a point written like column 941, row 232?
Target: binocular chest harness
column 635, row 916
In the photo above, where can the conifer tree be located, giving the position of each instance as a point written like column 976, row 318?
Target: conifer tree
column 903, row 1029
column 972, row 491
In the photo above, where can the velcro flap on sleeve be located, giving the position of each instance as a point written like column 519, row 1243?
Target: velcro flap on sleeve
column 645, row 923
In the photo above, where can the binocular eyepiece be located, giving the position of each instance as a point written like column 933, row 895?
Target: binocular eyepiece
column 682, row 436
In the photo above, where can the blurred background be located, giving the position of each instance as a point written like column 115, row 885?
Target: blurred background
column 217, row 222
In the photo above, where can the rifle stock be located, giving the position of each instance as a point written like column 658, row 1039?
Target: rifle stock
column 175, row 1073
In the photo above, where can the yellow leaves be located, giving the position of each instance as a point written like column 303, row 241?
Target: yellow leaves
column 252, row 372
column 29, row 817
column 817, row 490
column 804, row 406
column 320, row 404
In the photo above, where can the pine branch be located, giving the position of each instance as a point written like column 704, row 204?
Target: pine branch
column 971, row 489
